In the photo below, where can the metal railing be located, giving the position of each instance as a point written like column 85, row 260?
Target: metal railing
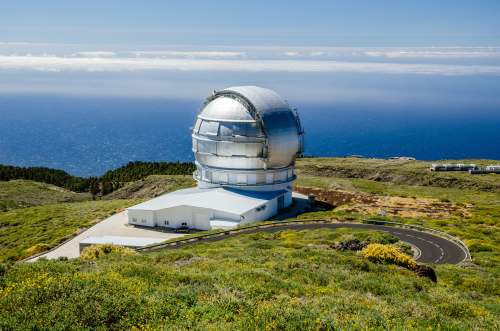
column 239, row 229
column 198, row 178
column 226, row 232
column 469, row 256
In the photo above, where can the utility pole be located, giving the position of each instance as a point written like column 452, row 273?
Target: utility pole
column 387, row 209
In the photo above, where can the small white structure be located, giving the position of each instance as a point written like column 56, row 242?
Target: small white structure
column 245, row 141
column 493, row 167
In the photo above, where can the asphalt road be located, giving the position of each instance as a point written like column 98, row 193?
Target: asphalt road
column 433, row 249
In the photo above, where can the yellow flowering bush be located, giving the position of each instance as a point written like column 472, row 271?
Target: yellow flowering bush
column 95, row 251
column 390, row 254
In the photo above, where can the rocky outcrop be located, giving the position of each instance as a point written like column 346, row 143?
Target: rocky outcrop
column 187, row 262
column 373, row 259
column 425, row 271
column 351, row 245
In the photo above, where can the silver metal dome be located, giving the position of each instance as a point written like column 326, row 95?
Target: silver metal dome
column 246, row 129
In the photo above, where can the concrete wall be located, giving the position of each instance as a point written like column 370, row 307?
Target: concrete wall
column 175, row 217
column 258, row 216
column 185, row 214
column 141, row 217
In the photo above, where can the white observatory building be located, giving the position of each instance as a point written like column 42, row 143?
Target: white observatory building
column 245, row 141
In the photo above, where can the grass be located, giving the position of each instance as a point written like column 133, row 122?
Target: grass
column 16, row 194
column 281, row 281
column 37, row 216
column 401, row 172
column 250, row 282
column 25, row 232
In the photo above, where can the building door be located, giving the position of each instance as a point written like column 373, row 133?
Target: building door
column 201, row 221
column 281, row 202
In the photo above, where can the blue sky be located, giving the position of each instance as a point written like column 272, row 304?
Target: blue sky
column 253, row 23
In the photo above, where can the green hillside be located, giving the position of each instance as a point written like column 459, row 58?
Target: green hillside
column 20, row 193
column 40, row 216
column 283, row 281
column 402, row 172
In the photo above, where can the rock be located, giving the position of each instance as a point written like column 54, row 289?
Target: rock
column 322, row 246
column 351, row 245
column 187, row 262
column 425, row 271
column 467, row 265
column 373, row 259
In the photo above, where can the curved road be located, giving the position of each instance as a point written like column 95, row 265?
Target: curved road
column 433, row 249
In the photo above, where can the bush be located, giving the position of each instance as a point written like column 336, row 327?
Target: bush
column 390, row 254
column 95, row 251
column 292, row 244
column 458, row 213
column 444, row 200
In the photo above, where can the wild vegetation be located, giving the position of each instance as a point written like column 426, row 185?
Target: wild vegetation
column 287, row 280
column 26, row 232
column 43, row 221
column 283, row 281
column 21, row 193
column 105, row 184
column 402, row 172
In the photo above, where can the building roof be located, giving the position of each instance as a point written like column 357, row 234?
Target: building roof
column 124, row 241
column 229, row 200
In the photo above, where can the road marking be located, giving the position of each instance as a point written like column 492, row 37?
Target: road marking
column 398, row 232
column 441, row 249
column 430, row 241
column 420, row 238
column 409, row 235
column 437, row 245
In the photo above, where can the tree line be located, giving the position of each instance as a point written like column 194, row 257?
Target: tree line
column 105, row 184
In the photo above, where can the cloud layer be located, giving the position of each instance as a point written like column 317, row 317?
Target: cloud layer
column 54, row 63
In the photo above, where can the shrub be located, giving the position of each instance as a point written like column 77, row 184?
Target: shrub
column 292, row 244
column 460, row 204
column 95, row 251
column 390, row 254
column 458, row 213
column 444, row 200
column 434, row 204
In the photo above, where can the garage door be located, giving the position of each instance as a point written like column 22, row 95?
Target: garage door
column 201, row 222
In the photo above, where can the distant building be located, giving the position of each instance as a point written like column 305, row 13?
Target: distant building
column 401, row 158
column 454, row 167
column 493, row 167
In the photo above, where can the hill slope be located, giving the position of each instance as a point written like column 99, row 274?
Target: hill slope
column 152, row 187
column 27, row 193
column 402, row 172
column 283, row 281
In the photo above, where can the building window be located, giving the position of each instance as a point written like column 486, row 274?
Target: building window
column 134, row 219
column 143, row 221
column 167, row 222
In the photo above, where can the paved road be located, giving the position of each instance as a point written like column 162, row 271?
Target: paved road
column 433, row 249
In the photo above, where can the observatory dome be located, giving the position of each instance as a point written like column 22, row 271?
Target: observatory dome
column 246, row 136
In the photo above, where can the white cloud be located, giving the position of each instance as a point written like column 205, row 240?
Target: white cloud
column 291, row 53
column 130, row 64
column 94, row 54
column 193, row 55
column 428, row 54
column 316, row 53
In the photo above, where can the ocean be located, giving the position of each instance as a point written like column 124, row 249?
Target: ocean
column 88, row 136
